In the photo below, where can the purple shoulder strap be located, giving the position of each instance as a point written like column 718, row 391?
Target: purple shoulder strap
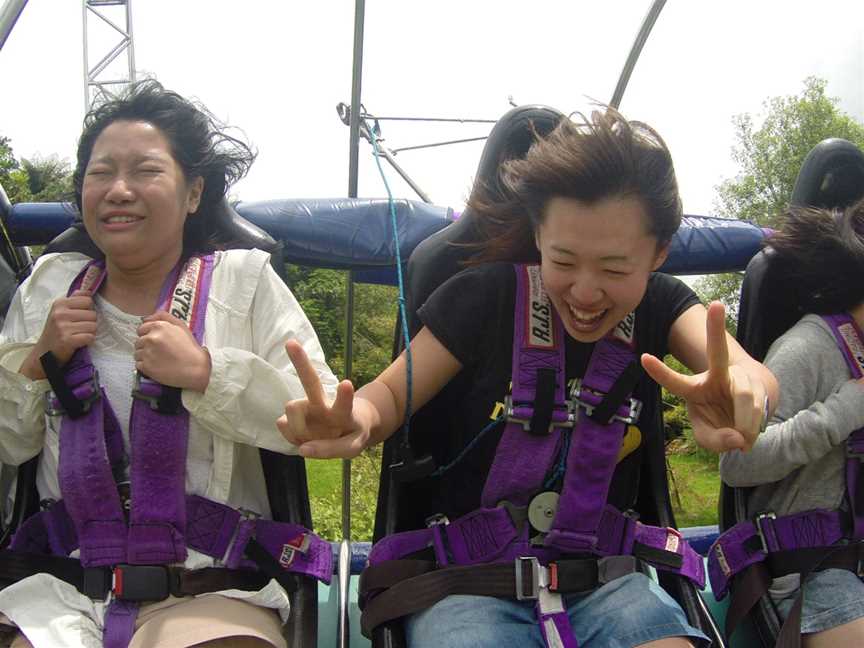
column 594, row 446
column 91, row 449
column 538, row 342
column 851, row 342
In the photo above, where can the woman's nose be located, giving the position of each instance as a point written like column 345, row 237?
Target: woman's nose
column 586, row 291
column 120, row 190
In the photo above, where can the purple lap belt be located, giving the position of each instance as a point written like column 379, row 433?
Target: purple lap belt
column 750, row 543
column 522, row 521
column 159, row 521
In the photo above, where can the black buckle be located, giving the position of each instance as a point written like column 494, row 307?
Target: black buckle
column 141, row 582
column 66, row 401
column 169, row 402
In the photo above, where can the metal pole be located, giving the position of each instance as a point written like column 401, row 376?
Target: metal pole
column 9, row 14
column 389, row 157
column 86, row 59
column 635, row 51
column 342, row 629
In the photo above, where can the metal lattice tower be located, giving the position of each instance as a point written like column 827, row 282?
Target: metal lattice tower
column 103, row 77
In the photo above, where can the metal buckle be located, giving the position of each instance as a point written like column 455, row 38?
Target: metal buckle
column 53, row 407
column 576, row 398
column 141, row 582
column 539, row 578
column 439, row 519
column 770, row 515
column 526, row 422
column 157, row 403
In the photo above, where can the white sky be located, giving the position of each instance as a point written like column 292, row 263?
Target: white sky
column 277, row 69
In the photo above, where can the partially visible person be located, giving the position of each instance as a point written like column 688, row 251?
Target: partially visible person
column 798, row 464
column 167, row 306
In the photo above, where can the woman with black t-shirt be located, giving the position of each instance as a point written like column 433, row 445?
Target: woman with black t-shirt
column 602, row 205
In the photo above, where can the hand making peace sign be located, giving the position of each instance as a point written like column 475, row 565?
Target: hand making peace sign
column 319, row 428
column 727, row 405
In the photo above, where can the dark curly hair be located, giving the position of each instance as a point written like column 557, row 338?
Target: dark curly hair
column 587, row 159
column 198, row 143
column 821, row 253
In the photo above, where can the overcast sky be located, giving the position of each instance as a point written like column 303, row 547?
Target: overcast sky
column 277, row 69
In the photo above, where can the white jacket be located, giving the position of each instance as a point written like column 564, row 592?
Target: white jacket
column 250, row 315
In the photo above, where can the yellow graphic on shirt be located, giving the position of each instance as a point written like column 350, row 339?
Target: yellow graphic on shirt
column 632, row 440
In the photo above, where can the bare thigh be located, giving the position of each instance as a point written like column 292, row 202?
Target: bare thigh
column 848, row 634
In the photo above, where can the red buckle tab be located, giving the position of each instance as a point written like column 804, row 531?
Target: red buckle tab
column 553, row 576
column 117, row 582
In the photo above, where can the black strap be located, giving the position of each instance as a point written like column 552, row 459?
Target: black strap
column 621, row 390
column 753, row 583
column 544, row 402
column 57, row 379
column 268, row 565
column 748, row 587
column 96, row 582
column 409, row 587
column 671, row 559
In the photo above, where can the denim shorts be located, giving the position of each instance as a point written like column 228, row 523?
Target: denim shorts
column 831, row 598
column 629, row 611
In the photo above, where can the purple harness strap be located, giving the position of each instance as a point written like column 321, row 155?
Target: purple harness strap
column 538, row 343
column 91, row 448
column 851, row 342
column 593, row 453
column 214, row 529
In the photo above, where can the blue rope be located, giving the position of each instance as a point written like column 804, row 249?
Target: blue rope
column 561, row 465
column 443, row 469
column 402, row 315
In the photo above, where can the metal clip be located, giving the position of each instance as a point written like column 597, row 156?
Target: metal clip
column 631, row 417
column 526, row 422
column 539, row 577
column 54, row 408
column 769, row 515
column 439, row 519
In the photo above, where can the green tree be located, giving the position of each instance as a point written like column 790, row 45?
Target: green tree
column 49, row 179
column 769, row 156
column 12, row 177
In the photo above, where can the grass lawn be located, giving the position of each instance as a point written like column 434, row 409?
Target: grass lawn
column 693, row 481
column 694, row 485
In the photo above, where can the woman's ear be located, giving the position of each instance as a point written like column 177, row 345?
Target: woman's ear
column 193, row 196
column 662, row 255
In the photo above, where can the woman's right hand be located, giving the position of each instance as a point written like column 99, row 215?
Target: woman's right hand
column 320, row 429
column 71, row 324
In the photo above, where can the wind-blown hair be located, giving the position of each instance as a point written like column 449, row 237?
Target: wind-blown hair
column 198, row 143
column 821, row 252
column 588, row 160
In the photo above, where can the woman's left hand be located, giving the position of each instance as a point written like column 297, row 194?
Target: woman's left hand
column 726, row 404
column 167, row 352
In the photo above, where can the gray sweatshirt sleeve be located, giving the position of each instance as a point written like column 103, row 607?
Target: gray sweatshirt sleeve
column 820, row 405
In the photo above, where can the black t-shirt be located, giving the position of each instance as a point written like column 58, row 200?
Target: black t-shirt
column 472, row 316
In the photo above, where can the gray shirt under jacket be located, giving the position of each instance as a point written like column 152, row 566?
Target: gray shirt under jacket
column 797, row 463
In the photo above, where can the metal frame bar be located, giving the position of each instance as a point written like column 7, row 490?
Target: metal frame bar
column 635, row 51
column 9, row 14
column 126, row 45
